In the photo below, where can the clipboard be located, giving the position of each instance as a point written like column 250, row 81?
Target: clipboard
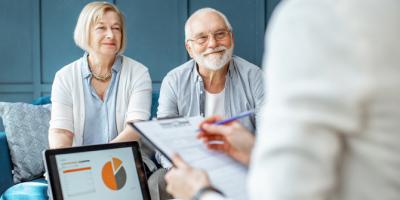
column 179, row 135
column 132, row 124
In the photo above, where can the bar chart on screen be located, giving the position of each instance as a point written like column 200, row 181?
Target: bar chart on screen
column 78, row 176
column 113, row 174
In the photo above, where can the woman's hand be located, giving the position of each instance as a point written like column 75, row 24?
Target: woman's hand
column 127, row 135
column 232, row 139
column 183, row 181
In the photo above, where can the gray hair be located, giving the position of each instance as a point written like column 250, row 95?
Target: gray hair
column 204, row 10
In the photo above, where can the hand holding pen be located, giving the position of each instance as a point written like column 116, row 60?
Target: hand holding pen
column 218, row 121
column 228, row 136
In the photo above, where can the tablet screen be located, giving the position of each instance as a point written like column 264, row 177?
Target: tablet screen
column 101, row 174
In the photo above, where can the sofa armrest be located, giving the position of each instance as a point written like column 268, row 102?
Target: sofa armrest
column 6, row 179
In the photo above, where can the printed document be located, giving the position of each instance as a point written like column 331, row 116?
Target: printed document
column 179, row 135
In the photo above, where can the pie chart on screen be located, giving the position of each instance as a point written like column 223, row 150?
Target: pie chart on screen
column 114, row 174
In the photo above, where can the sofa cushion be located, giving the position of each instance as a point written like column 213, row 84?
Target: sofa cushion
column 26, row 128
column 6, row 179
column 154, row 104
column 36, row 190
column 42, row 100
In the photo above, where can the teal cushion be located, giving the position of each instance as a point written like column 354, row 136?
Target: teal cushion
column 6, row 178
column 42, row 100
column 154, row 104
column 32, row 190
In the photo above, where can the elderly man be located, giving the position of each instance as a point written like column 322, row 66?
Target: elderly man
column 214, row 82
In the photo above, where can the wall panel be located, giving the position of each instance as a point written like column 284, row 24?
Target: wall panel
column 58, row 20
column 155, row 34
column 16, row 97
column 16, row 38
column 37, row 37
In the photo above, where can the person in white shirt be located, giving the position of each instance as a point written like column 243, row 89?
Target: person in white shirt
column 94, row 97
column 330, row 129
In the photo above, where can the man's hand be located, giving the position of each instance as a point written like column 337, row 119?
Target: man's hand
column 232, row 139
column 183, row 181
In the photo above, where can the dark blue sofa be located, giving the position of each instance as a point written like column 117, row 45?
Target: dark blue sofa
column 35, row 189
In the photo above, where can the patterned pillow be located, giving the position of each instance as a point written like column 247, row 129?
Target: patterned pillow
column 26, row 128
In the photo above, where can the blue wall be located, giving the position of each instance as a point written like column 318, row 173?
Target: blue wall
column 36, row 37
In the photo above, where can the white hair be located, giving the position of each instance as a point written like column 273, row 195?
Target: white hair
column 200, row 11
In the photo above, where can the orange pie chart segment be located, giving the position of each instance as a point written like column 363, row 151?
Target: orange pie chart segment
column 108, row 176
column 117, row 162
column 114, row 178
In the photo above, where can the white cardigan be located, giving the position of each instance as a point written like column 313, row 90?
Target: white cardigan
column 68, row 108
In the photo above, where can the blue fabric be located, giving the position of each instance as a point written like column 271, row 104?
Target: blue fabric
column 5, row 164
column 41, row 100
column 33, row 190
column 100, row 125
column 36, row 189
column 154, row 104
column 6, row 168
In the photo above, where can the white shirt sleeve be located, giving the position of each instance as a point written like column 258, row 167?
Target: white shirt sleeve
column 168, row 103
column 61, row 110
column 140, row 99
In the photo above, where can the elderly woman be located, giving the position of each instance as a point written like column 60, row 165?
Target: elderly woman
column 96, row 96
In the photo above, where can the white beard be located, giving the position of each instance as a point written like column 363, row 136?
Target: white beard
column 214, row 62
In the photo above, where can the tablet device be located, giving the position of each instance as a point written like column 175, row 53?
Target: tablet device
column 151, row 142
column 105, row 171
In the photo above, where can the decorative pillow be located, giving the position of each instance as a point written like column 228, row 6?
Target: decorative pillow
column 26, row 128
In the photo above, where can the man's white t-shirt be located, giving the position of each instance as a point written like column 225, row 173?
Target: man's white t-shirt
column 215, row 104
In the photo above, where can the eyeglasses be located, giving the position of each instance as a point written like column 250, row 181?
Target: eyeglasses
column 203, row 39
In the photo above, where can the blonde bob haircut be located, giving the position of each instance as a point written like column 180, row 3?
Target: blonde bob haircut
column 91, row 14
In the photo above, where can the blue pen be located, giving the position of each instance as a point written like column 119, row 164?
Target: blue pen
column 239, row 116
